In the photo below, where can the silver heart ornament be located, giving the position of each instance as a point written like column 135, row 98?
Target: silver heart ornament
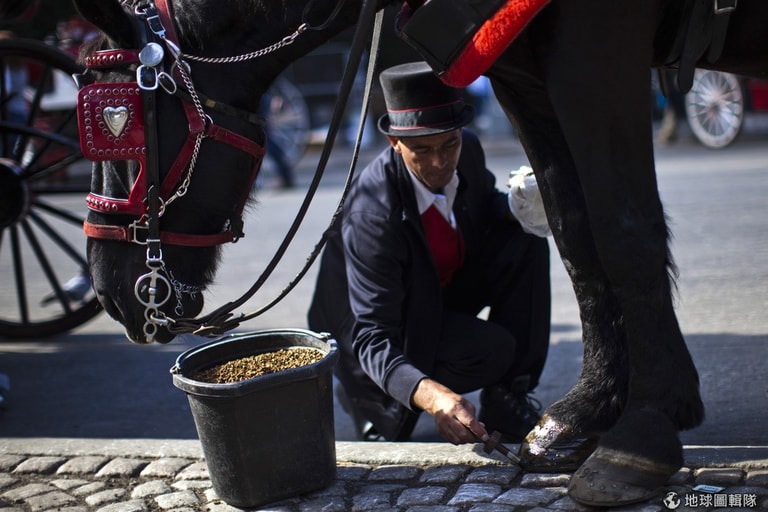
column 116, row 117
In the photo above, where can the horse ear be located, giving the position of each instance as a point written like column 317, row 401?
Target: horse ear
column 110, row 17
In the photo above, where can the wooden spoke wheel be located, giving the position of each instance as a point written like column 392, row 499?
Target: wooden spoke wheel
column 43, row 180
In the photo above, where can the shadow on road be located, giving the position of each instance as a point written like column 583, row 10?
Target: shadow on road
column 102, row 386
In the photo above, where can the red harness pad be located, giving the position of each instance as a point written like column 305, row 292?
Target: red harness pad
column 490, row 41
column 478, row 38
column 110, row 118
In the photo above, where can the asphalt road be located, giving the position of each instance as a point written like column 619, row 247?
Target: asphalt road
column 92, row 383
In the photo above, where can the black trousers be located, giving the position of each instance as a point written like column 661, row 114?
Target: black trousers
column 511, row 276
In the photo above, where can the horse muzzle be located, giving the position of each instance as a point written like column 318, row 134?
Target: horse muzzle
column 134, row 319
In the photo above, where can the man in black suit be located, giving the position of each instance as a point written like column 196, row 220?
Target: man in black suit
column 425, row 243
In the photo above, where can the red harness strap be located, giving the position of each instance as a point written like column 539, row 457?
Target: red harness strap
column 164, row 10
column 490, row 41
column 461, row 40
column 130, row 233
column 111, row 58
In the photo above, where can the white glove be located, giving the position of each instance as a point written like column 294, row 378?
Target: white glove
column 525, row 202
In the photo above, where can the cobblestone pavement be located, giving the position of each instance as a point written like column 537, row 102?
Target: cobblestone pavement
column 406, row 477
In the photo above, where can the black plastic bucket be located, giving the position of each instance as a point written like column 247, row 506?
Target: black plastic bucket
column 269, row 437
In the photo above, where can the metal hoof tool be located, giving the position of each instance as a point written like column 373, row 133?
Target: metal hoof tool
column 494, row 444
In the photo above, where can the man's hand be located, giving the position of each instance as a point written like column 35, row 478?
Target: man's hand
column 454, row 415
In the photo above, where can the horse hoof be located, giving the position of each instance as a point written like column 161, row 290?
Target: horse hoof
column 610, row 478
column 554, row 447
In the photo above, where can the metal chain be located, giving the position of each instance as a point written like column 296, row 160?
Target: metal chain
column 181, row 190
column 183, row 68
column 184, row 72
column 287, row 40
column 180, row 290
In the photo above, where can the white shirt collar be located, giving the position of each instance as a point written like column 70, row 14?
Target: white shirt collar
column 443, row 202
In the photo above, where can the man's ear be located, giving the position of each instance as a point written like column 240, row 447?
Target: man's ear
column 393, row 142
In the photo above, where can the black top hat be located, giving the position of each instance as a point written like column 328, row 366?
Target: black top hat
column 419, row 103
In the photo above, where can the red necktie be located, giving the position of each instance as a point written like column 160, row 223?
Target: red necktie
column 445, row 243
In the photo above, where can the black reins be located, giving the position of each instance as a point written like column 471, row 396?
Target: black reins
column 221, row 320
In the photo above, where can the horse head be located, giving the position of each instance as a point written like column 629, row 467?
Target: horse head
column 167, row 111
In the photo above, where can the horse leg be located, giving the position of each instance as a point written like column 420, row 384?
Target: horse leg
column 605, row 66
column 608, row 157
column 569, row 428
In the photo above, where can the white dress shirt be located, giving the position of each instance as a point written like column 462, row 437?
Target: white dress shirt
column 443, row 202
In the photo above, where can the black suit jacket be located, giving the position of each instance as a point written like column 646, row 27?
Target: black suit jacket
column 378, row 290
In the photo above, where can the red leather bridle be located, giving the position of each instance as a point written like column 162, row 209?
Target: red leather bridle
column 154, row 288
column 111, row 120
column 118, row 121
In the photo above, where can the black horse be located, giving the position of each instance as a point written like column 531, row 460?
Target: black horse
column 576, row 86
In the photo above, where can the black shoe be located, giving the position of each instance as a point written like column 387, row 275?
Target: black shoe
column 509, row 410
column 363, row 428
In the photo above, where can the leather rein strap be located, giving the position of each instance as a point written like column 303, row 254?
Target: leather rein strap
column 701, row 35
column 222, row 319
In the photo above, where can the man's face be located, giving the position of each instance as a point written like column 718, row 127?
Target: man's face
column 432, row 158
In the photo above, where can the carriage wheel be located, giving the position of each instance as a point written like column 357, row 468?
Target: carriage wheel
column 287, row 121
column 43, row 178
column 715, row 108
